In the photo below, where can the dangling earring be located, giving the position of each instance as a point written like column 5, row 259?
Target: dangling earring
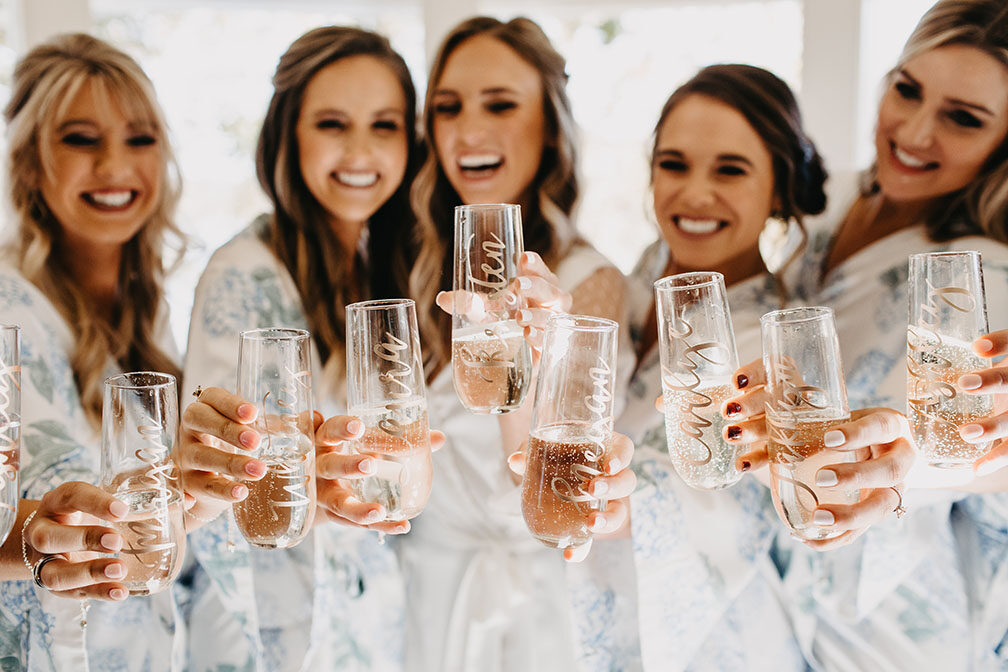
column 778, row 241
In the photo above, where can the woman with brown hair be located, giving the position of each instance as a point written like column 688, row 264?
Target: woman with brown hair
column 336, row 154
column 481, row 592
column 94, row 187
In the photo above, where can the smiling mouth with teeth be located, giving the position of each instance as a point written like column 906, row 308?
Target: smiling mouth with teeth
column 699, row 227
column 110, row 200
column 909, row 161
column 478, row 163
column 356, row 179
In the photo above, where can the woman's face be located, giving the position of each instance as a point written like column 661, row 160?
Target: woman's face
column 942, row 115
column 713, row 183
column 104, row 181
column 352, row 140
column 488, row 122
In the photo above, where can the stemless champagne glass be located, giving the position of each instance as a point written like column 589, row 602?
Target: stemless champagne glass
column 572, row 422
column 491, row 360
column 947, row 312
column 808, row 397
column 10, row 426
column 274, row 372
column 386, row 390
column 698, row 357
column 139, row 431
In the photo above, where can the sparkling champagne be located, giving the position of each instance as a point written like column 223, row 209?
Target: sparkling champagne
column 154, row 541
column 492, row 365
column 935, row 405
column 693, row 429
column 281, row 505
column 560, row 463
column 397, row 435
column 796, row 453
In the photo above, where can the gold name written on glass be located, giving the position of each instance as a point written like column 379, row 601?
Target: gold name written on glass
column 399, row 377
column 684, row 378
column 9, row 431
column 599, row 404
column 927, row 387
column 784, row 427
column 485, row 358
column 495, row 278
column 289, row 471
column 152, row 533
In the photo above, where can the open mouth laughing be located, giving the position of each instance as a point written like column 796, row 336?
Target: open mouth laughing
column 479, row 165
column 697, row 226
column 110, row 200
column 356, row 179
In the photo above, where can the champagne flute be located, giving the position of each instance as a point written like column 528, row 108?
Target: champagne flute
column 10, row 426
column 139, row 430
column 387, row 391
column 572, row 422
column 274, row 371
column 808, row 397
column 491, row 361
column 948, row 312
column 697, row 345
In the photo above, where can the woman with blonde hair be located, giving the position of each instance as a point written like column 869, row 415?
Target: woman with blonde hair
column 481, row 592
column 93, row 186
column 336, row 154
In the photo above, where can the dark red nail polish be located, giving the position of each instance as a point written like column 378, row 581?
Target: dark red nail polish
column 742, row 380
column 733, row 408
column 734, row 432
column 746, row 466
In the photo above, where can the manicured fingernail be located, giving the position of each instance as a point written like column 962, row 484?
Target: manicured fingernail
column 598, row 523
column 403, row 527
column 510, row 299
column 600, row 488
column 741, row 381
column 614, row 465
column 988, row 468
column 733, row 408
column 117, row 594
column 524, row 283
column 970, row 381
column 239, row 492
column 366, row 466
column 354, row 427
column 524, row 317
column 439, row 295
column 374, row 515
column 834, row 438
column 734, row 432
column 112, row 542
column 118, row 509
column 246, row 412
column 746, row 466
column 115, row 571
column 249, row 439
column 823, row 517
column 255, row 468
column 983, row 345
column 527, row 257
column 826, row 478
column 970, row 432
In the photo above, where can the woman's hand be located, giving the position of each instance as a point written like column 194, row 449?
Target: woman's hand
column 70, row 524
column 614, row 485
column 214, row 478
column 989, row 381
column 532, row 298
column 334, row 467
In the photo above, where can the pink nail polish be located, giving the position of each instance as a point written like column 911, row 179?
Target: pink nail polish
column 111, row 541
column 115, row 571
column 118, row 509
column 246, row 412
column 239, row 492
column 117, row 594
column 249, row 439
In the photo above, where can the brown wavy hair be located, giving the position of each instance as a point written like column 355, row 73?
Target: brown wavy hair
column 45, row 83
column 299, row 232
column 546, row 222
column 980, row 208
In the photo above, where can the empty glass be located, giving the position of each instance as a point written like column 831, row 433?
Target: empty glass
column 387, row 391
column 948, row 312
column 10, row 426
column 572, row 422
column 274, row 372
column 139, row 431
column 491, row 361
column 808, row 397
column 698, row 357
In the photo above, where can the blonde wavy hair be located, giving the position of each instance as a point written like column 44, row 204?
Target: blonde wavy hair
column 46, row 81
column 547, row 223
column 299, row 232
column 981, row 208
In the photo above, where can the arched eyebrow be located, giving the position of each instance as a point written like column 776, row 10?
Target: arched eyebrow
column 955, row 101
